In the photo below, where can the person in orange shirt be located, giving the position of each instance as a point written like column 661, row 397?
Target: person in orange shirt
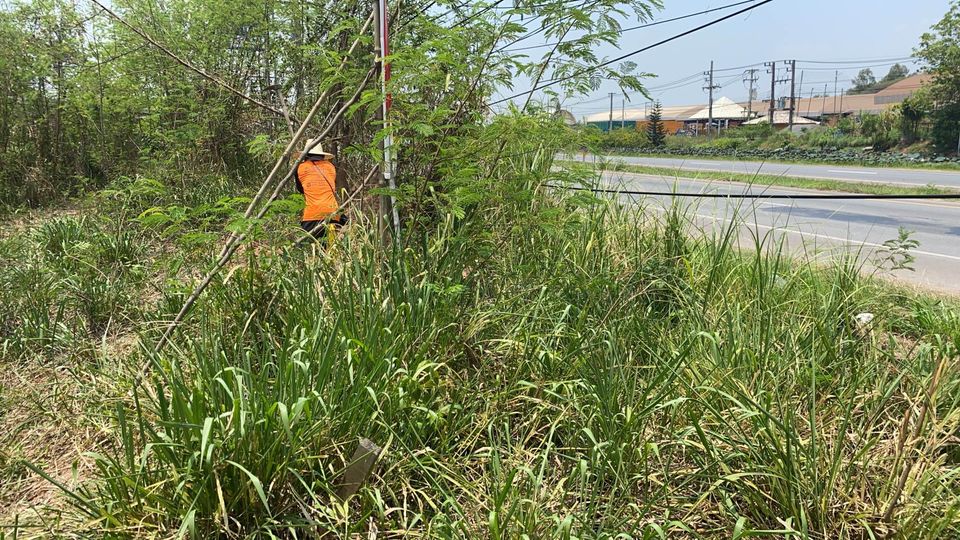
column 317, row 181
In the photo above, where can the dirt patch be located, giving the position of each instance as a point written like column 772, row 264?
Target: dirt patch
column 45, row 419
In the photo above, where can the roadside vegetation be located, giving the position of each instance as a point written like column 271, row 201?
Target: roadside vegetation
column 534, row 362
column 762, row 180
column 587, row 371
column 868, row 141
column 922, row 131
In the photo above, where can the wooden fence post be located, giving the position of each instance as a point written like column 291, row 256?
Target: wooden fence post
column 359, row 468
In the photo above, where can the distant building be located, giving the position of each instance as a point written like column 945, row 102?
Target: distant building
column 567, row 117
column 727, row 113
column 781, row 119
column 673, row 118
column 826, row 108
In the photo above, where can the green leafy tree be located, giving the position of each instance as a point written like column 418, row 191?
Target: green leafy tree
column 897, row 72
column 864, row 80
column 913, row 111
column 656, row 131
column 946, row 127
column 940, row 48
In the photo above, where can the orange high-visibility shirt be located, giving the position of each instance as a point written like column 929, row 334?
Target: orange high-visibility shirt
column 319, row 181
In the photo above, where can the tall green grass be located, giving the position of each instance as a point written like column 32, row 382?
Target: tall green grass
column 546, row 365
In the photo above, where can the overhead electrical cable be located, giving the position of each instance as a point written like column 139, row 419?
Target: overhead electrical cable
column 647, row 25
column 633, row 53
column 868, row 61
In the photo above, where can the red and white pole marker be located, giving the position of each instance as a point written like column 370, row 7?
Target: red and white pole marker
column 389, row 159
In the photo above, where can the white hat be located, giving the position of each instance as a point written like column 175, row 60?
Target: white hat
column 316, row 151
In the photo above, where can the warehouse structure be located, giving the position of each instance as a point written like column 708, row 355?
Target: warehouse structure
column 808, row 112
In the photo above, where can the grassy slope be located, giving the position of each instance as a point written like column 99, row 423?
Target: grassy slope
column 776, row 180
column 548, row 368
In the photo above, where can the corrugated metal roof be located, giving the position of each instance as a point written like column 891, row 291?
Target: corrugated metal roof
column 680, row 112
column 812, row 108
column 820, row 106
column 723, row 109
column 907, row 86
column 781, row 118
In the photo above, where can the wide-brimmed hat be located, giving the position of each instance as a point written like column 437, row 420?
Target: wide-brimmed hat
column 316, row 150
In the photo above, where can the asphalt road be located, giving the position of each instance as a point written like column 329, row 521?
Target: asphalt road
column 824, row 228
column 881, row 175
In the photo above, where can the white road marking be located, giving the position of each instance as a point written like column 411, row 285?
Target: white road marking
column 702, row 163
column 846, row 241
column 853, row 172
column 787, row 190
column 766, row 203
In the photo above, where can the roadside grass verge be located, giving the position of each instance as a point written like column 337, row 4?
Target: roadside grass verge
column 948, row 166
column 543, row 367
column 770, row 180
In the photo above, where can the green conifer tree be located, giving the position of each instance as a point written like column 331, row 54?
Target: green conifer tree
column 656, row 132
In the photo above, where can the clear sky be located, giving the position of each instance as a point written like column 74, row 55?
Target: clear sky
column 814, row 30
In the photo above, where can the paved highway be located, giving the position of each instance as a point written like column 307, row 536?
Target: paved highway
column 880, row 175
column 825, row 227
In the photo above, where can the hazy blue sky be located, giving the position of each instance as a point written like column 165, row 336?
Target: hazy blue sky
column 814, row 30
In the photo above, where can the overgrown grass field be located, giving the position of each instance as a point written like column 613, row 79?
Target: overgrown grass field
column 540, row 366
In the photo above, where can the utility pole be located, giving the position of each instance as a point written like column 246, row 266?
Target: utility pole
column 623, row 113
column 823, row 108
column 710, row 87
column 773, row 88
column 793, row 91
column 610, row 122
column 381, row 49
column 836, row 79
column 810, row 101
column 752, row 79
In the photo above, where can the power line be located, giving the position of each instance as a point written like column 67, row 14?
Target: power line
column 532, row 33
column 836, row 68
column 647, row 25
column 638, row 51
column 739, row 68
column 477, row 14
column 536, row 6
column 903, row 58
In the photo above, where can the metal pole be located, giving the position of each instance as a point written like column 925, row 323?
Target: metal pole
column 710, row 124
column 389, row 160
column 840, row 112
column 623, row 113
column 823, row 108
column 753, row 81
column 793, row 90
column 610, row 121
column 773, row 89
column 836, row 79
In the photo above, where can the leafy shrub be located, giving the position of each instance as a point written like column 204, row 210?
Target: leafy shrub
column 882, row 129
column 57, row 237
column 946, row 128
column 625, row 138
